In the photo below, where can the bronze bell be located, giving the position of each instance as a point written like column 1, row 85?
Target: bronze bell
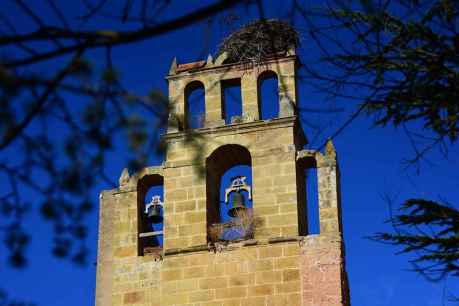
column 237, row 205
column 154, row 214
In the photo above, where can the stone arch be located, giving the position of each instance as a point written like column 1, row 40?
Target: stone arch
column 268, row 95
column 217, row 163
column 194, row 99
column 144, row 184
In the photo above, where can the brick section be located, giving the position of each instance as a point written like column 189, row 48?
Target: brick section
column 323, row 279
column 213, row 98
column 287, row 89
column 185, row 211
column 249, row 91
column 212, row 77
column 260, row 275
column 273, row 181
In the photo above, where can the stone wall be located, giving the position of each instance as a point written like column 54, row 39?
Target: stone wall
column 273, row 180
column 211, row 77
column 323, row 279
column 251, row 275
column 276, row 268
column 282, row 265
column 307, row 272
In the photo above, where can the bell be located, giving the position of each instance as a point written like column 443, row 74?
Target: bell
column 154, row 214
column 237, row 205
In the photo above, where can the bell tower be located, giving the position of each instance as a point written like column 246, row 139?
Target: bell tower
column 275, row 261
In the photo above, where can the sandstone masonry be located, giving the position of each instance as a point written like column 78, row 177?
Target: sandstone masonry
column 283, row 264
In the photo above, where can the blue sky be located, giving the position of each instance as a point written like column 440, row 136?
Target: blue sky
column 371, row 168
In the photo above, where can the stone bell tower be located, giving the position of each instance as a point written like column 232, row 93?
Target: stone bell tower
column 281, row 263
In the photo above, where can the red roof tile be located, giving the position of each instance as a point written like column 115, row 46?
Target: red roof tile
column 189, row 66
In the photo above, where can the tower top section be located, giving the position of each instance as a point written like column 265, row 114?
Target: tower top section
column 260, row 50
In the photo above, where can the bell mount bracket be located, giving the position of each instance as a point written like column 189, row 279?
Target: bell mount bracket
column 155, row 201
column 238, row 183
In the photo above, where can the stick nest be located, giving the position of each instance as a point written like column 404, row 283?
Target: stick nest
column 258, row 41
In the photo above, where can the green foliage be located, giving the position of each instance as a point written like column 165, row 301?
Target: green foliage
column 431, row 231
column 402, row 60
column 81, row 67
column 110, row 75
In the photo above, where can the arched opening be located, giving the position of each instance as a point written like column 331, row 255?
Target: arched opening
column 228, row 167
column 308, row 196
column 150, row 196
column 231, row 100
column 195, row 106
column 268, row 95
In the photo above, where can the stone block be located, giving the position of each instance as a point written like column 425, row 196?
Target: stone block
column 201, row 296
column 185, row 206
column 288, row 208
column 242, row 280
column 266, row 210
column 135, row 297
column 261, row 265
column 290, row 197
column 268, row 277
column 261, row 290
column 288, row 231
column 231, row 293
column 194, row 272
column 282, row 220
column 291, row 275
column 284, row 180
column 269, row 252
column 213, row 283
column 199, row 239
column 290, row 287
column 214, row 270
column 254, row 301
column 174, row 299
column 170, row 275
column 176, row 195
column 286, row 263
column 195, row 217
column 126, row 251
column 232, row 302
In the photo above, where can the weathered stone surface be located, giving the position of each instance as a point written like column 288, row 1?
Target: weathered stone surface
column 323, row 280
column 278, row 266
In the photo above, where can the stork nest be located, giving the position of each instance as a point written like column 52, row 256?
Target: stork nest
column 258, row 41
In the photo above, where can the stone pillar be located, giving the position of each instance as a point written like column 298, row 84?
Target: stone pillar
column 274, row 192
column 287, row 89
column 213, row 100
column 249, row 91
column 177, row 105
column 104, row 283
column 118, row 249
column 185, row 206
column 328, row 184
